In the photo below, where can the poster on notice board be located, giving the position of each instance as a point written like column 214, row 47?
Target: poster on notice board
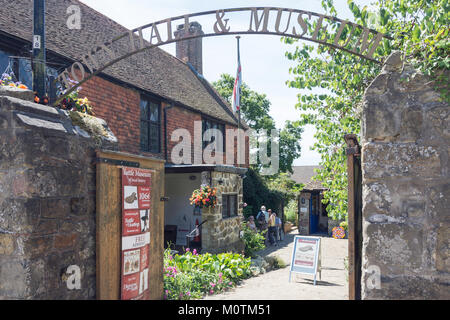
column 136, row 206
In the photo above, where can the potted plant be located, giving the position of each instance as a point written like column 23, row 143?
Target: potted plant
column 7, row 81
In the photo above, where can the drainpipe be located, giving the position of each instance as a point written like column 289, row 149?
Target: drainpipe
column 166, row 154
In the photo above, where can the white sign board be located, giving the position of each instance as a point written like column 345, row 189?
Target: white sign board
column 306, row 256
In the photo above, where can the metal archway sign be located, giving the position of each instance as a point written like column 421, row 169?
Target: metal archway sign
column 293, row 23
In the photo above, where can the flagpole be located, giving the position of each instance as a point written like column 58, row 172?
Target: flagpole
column 239, row 110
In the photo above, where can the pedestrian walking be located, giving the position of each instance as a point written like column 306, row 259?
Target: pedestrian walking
column 278, row 224
column 263, row 218
column 272, row 228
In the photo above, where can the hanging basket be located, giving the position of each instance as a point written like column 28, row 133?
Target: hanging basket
column 205, row 197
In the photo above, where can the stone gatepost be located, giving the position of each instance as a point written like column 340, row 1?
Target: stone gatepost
column 406, row 186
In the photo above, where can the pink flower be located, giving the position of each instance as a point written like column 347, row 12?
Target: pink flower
column 212, row 284
column 194, row 252
column 211, row 291
column 187, row 249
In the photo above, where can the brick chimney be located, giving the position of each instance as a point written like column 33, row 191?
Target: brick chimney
column 190, row 50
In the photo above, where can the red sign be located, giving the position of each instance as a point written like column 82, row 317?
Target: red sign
column 136, row 206
column 130, row 286
column 144, row 257
column 144, row 197
column 131, row 222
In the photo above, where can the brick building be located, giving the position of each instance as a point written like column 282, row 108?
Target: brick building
column 143, row 99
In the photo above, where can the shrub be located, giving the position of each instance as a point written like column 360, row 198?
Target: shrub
column 248, row 211
column 254, row 241
column 191, row 275
column 290, row 212
column 257, row 193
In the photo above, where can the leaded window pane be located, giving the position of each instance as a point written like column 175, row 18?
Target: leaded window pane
column 224, row 206
column 144, row 135
column 144, row 110
column 154, row 112
column 154, row 138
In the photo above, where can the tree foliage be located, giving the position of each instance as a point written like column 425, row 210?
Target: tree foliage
column 255, row 109
column 257, row 193
column 333, row 81
column 282, row 182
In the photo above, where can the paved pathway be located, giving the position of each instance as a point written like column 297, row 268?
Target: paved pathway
column 274, row 285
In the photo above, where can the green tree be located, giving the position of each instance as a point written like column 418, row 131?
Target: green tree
column 255, row 109
column 333, row 81
column 282, row 182
column 257, row 193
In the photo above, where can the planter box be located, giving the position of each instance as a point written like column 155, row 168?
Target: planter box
column 287, row 227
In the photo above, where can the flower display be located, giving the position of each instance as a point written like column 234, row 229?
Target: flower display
column 71, row 103
column 338, row 233
column 191, row 275
column 205, row 197
column 7, row 81
column 74, row 103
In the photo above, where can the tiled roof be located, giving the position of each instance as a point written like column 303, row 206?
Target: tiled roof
column 153, row 70
column 304, row 175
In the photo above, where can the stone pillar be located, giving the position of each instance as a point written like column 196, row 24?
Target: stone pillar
column 222, row 234
column 406, row 187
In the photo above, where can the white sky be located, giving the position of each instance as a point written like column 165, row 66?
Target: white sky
column 265, row 68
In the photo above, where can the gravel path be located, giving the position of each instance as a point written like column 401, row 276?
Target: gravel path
column 274, row 285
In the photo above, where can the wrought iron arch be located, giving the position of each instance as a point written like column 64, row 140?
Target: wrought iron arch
column 367, row 40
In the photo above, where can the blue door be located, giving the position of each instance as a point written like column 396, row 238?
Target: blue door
column 313, row 217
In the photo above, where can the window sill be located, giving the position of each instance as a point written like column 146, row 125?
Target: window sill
column 228, row 218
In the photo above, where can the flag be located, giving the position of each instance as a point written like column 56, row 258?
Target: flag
column 237, row 86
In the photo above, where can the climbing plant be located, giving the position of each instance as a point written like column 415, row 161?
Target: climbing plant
column 333, row 81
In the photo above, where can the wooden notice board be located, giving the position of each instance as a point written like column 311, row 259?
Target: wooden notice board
column 136, row 213
column 109, row 210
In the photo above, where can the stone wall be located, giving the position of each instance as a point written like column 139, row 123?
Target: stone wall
column 47, row 200
column 406, row 187
column 223, row 234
